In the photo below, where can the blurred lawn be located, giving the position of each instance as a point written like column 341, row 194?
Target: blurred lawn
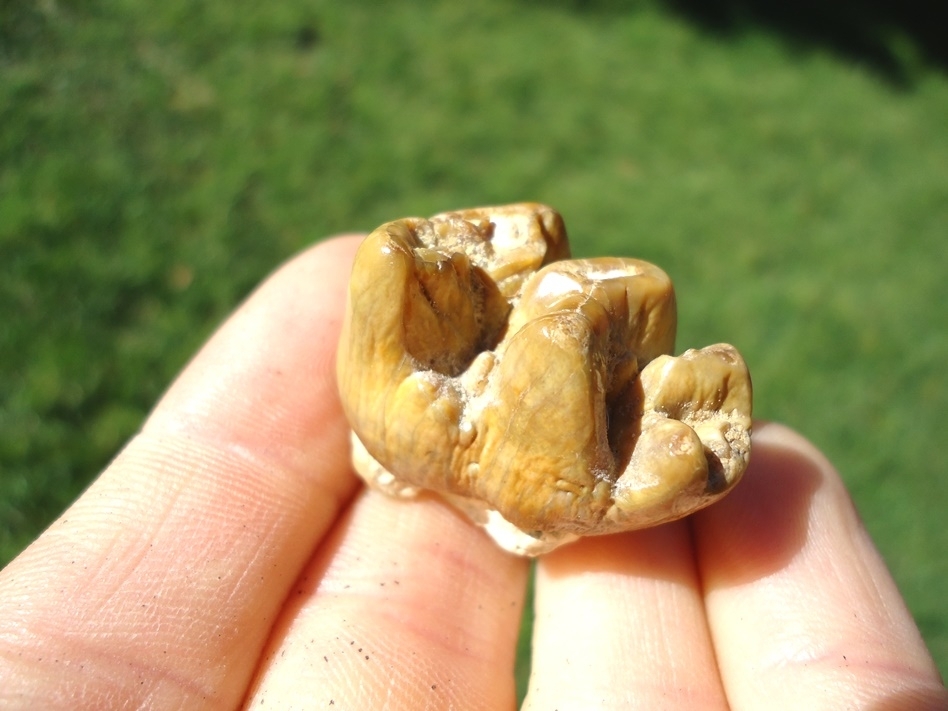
column 157, row 160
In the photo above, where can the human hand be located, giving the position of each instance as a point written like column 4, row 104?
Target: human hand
column 229, row 557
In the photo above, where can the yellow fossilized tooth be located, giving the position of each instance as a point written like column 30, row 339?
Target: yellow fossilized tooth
column 534, row 392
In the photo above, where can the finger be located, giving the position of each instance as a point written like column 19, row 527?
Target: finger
column 408, row 606
column 802, row 609
column 158, row 587
column 620, row 624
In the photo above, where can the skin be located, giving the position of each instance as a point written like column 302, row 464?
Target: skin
column 229, row 558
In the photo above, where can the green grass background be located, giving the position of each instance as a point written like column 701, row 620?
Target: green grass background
column 157, row 160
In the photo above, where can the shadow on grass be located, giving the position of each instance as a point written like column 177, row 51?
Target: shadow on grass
column 895, row 38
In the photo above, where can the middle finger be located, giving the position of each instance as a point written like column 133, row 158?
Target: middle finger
column 620, row 623
column 407, row 605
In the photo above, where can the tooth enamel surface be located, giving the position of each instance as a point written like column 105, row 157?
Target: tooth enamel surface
column 535, row 393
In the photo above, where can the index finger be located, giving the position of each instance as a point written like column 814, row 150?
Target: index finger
column 159, row 585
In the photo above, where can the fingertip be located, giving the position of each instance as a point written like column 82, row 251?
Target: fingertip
column 768, row 435
column 404, row 589
column 799, row 600
column 190, row 540
column 266, row 378
column 763, row 522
